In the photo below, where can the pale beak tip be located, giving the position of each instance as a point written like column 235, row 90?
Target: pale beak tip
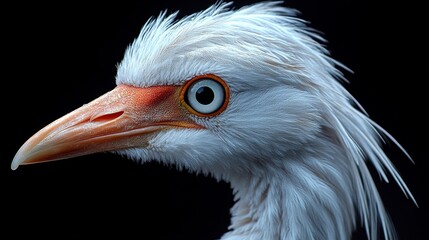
column 15, row 164
column 17, row 160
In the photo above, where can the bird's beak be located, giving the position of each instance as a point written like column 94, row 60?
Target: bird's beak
column 126, row 117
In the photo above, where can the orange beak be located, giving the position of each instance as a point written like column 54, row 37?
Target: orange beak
column 126, row 117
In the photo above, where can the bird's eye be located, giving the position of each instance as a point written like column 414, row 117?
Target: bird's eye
column 205, row 95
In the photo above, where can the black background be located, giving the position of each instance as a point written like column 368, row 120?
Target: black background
column 59, row 56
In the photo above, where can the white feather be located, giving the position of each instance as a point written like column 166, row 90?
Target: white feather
column 291, row 142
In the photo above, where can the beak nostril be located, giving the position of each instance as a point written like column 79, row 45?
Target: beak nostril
column 106, row 117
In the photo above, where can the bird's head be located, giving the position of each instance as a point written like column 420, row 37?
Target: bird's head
column 221, row 91
column 218, row 91
column 235, row 93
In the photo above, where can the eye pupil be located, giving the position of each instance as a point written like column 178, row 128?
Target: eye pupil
column 205, row 95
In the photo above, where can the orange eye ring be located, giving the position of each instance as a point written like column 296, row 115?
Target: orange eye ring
column 220, row 99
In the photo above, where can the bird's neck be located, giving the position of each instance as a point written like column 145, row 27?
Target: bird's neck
column 305, row 197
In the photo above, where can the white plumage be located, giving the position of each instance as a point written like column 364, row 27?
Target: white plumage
column 291, row 141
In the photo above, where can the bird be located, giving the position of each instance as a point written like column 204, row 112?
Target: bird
column 249, row 96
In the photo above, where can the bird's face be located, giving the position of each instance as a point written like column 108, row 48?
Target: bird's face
column 209, row 102
column 202, row 124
